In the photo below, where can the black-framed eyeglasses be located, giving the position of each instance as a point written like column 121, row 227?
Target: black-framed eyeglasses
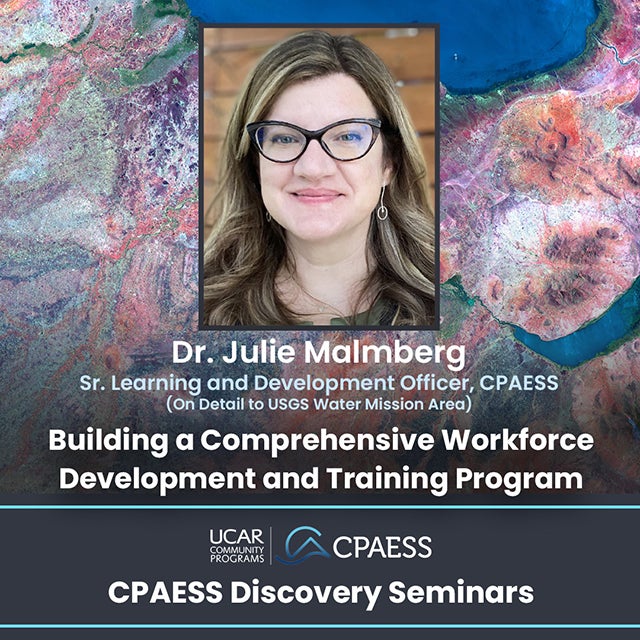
column 344, row 140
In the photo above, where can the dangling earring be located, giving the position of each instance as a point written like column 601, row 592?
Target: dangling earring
column 267, row 215
column 382, row 212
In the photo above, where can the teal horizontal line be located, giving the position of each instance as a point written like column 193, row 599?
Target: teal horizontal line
column 325, row 507
column 319, row 626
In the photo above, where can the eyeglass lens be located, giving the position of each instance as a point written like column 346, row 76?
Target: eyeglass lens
column 345, row 141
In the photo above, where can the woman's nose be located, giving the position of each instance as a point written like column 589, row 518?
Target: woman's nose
column 314, row 162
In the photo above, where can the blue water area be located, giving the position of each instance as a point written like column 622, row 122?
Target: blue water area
column 483, row 43
column 617, row 323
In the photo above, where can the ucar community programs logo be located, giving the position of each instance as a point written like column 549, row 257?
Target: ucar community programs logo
column 237, row 546
column 301, row 544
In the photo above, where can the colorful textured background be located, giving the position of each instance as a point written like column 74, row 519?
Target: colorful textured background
column 540, row 187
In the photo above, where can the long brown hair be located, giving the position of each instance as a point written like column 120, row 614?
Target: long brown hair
column 245, row 252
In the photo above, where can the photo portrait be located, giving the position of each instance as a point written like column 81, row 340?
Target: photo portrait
column 319, row 189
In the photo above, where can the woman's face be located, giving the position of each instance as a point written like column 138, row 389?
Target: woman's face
column 315, row 198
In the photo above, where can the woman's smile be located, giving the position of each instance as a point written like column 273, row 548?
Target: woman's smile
column 316, row 196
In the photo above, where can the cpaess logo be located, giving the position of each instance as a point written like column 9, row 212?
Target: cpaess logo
column 301, row 544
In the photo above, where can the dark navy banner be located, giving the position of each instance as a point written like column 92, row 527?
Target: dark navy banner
column 256, row 570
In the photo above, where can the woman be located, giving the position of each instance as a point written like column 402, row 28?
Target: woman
column 322, row 215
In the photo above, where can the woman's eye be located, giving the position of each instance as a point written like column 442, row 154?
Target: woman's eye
column 283, row 139
column 347, row 137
